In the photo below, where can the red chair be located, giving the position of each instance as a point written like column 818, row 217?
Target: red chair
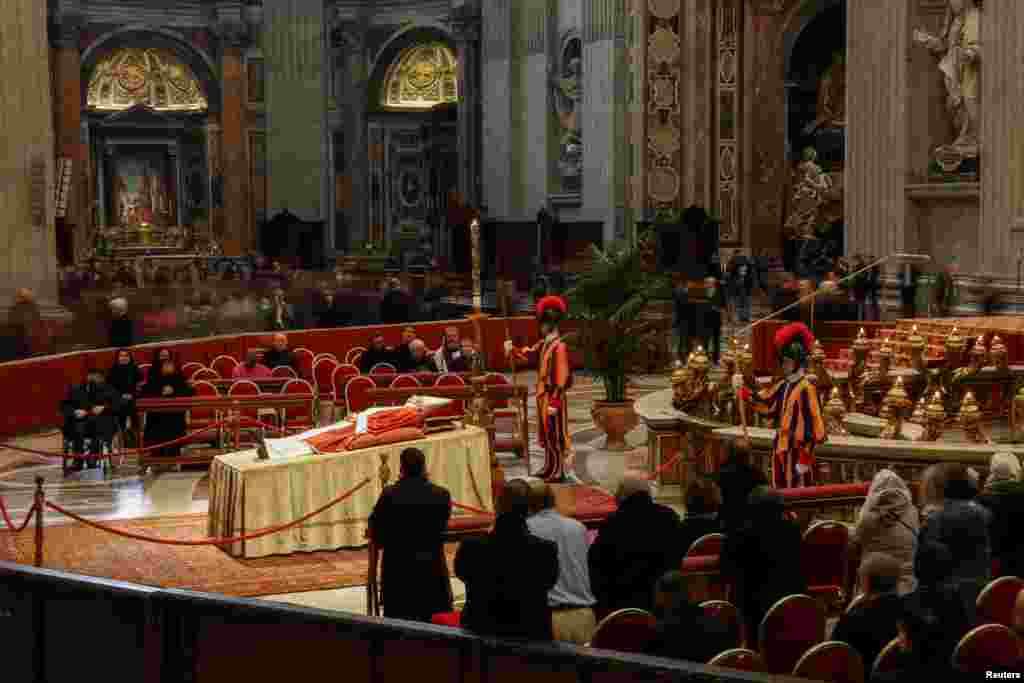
column 383, row 369
column 449, row 619
column 283, row 371
column 199, row 418
column 303, row 362
column 301, row 418
column 831, row 661
column 324, row 355
column 996, row 601
column 204, row 375
column 144, row 369
column 404, row 382
column 725, row 612
column 506, row 412
column 323, row 371
column 625, row 630
column 791, row 626
column 356, row 399
column 339, row 379
column 248, row 418
column 888, row 659
column 354, row 353
column 708, row 544
column 188, row 369
column 989, row 647
column 825, row 557
column 738, row 658
column 457, row 408
column 223, row 365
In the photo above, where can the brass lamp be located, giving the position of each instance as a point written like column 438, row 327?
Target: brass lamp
column 893, row 406
column 970, row 418
column 935, row 416
column 920, row 414
column 999, row 354
column 835, row 415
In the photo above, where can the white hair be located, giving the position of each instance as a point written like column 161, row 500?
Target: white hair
column 120, row 303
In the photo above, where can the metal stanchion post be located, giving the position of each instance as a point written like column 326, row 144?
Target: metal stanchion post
column 40, row 509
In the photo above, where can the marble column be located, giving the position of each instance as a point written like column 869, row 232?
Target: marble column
column 467, row 44
column 28, row 253
column 876, row 168
column 1002, row 172
column 67, row 73
column 239, row 235
column 497, row 106
column 215, row 177
column 295, row 53
column 352, row 41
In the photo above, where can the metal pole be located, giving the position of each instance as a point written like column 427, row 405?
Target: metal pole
column 40, row 499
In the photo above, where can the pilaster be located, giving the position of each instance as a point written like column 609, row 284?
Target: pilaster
column 67, row 75
column 497, row 105
column 239, row 236
column 350, row 39
column 466, row 29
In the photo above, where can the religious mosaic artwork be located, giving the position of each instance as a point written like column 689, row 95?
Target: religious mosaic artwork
column 152, row 77
column 567, row 87
column 422, row 77
column 143, row 191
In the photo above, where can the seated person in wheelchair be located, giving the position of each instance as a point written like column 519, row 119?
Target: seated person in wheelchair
column 90, row 412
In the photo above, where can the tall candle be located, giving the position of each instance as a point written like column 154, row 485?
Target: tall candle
column 474, row 233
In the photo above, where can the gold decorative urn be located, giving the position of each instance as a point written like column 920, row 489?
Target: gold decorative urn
column 935, row 418
column 918, row 345
column 999, row 355
column 893, row 407
column 970, row 419
column 835, row 415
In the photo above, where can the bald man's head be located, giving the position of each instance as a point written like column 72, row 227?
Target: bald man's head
column 280, row 342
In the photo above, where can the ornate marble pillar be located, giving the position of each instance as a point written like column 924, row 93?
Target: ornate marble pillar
column 215, row 176
column 466, row 29
column 67, row 74
column 876, row 169
column 496, row 104
column 239, row 235
column 27, row 239
column 350, row 38
column 1002, row 172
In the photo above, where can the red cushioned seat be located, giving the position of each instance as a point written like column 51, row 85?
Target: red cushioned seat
column 625, row 630
column 792, row 626
column 824, row 557
column 989, row 647
column 826, row 491
column 452, row 619
column 996, row 602
column 700, row 564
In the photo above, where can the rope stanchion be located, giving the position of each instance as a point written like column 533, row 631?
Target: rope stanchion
column 474, row 510
column 209, row 541
column 40, row 506
column 10, row 524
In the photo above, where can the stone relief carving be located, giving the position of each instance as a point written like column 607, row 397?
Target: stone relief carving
column 567, row 90
column 958, row 49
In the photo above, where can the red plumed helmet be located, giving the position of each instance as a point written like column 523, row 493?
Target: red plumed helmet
column 794, row 341
column 552, row 307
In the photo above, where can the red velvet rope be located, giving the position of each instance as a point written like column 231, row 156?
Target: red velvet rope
column 472, row 509
column 208, row 541
column 7, row 517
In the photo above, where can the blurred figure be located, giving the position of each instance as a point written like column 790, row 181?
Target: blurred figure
column 125, row 378
column 23, row 322
column 122, row 328
column 90, row 413
column 376, row 353
column 251, row 368
column 279, row 354
column 162, row 428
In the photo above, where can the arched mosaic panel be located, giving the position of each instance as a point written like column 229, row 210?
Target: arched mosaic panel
column 421, row 77
column 153, row 77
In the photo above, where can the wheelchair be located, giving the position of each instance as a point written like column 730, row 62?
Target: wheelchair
column 94, row 450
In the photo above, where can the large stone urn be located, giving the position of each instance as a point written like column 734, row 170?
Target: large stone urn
column 615, row 419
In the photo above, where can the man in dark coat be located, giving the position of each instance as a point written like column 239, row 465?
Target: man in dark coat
column 90, row 412
column 401, row 355
column 638, row 543
column 376, row 353
column 508, row 574
column 767, row 535
column 408, row 523
column 279, row 354
column 736, row 479
column 683, row 630
column 122, row 327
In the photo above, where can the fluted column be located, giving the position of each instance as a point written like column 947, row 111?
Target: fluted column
column 876, row 171
column 1002, row 101
column 467, row 42
column 239, row 236
column 28, row 253
column 67, row 73
column 351, row 39
column 497, row 106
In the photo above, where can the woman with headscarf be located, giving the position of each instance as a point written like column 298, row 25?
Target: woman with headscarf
column 762, row 559
column 888, row 523
column 166, row 382
column 125, row 377
column 156, row 361
column 1003, row 495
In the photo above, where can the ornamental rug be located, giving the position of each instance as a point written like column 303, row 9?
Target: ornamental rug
column 84, row 550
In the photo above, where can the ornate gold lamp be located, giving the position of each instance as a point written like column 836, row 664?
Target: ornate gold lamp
column 893, row 406
column 835, row 415
column 999, row 355
column 935, row 418
column 918, row 345
column 970, row 419
column 920, row 414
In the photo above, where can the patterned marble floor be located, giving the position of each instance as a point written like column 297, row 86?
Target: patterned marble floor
column 127, row 494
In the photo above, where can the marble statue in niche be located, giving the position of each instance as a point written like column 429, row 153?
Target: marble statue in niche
column 958, row 48
column 812, row 189
column 567, row 87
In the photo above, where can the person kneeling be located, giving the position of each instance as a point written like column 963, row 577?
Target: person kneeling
column 90, row 413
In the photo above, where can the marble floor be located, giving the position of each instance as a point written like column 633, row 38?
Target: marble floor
column 129, row 494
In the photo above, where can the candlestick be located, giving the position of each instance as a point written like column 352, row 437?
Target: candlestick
column 474, row 233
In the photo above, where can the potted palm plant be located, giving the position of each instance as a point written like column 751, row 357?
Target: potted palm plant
column 607, row 302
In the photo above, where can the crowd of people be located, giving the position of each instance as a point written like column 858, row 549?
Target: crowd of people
column 535, row 577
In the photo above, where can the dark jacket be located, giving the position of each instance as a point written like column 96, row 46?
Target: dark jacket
column 274, row 358
column 122, row 332
column 371, row 357
column 508, row 574
column 330, row 316
column 760, row 583
column 457, row 361
column 870, row 625
column 685, row 632
column 23, row 320
column 1005, row 503
column 736, row 479
column 86, row 397
column 695, row 526
column 962, row 525
column 164, row 427
column 409, row 522
column 394, row 308
column 632, row 552
column 125, row 379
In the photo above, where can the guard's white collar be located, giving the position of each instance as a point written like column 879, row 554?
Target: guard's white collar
column 795, row 377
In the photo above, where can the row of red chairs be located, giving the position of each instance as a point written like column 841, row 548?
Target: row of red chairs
column 294, row 419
